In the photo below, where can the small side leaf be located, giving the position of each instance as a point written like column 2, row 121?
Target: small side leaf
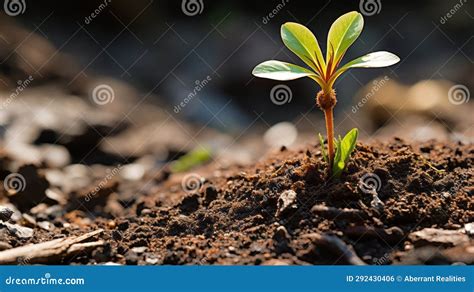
column 349, row 142
column 336, row 171
column 345, row 147
column 282, row 71
column 302, row 42
column 342, row 34
column 323, row 150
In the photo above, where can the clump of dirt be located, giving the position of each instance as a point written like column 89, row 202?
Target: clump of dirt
column 284, row 210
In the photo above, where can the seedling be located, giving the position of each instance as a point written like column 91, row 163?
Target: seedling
column 192, row 159
column 302, row 42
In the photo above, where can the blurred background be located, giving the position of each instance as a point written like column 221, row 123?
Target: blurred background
column 116, row 81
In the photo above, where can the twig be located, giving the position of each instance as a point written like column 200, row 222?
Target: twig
column 51, row 251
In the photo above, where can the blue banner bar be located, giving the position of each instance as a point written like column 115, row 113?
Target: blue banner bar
column 237, row 278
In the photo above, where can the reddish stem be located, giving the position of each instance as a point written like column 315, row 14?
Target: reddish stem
column 328, row 114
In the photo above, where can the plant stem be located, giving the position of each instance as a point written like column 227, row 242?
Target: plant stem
column 326, row 100
column 328, row 114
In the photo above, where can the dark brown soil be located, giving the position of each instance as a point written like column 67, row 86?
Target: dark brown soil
column 283, row 210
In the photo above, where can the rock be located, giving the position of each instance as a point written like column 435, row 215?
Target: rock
column 22, row 153
column 5, row 213
column 55, row 156
column 281, row 234
column 28, row 220
column 16, row 216
column 438, row 237
column 54, row 211
column 151, row 259
column 46, row 225
column 57, row 196
column 133, row 172
column 17, row 230
column 73, row 178
column 469, row 229
column 286, row 201
column 56, row 178
column 139, row 249
column 111, row 224
column 39, row 209
column 281, row 134
column 111, row 264
column 281, row 240
column 131, row 258
column 377, row 204
column 145, row 212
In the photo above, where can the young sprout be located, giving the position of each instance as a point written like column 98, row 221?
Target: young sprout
column 301, row 41
column 196, row 157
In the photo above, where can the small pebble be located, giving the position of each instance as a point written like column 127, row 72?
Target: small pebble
column 469, row 228
column 5, row 213
column 281, row 234
column 29, row 221
column 18, row 231
column 111, row 224
column 152, row 260
column 145, row 211
column 111, row 264
column 139, row 249
column 46, row 225
column 133, row 172
column 131, row 258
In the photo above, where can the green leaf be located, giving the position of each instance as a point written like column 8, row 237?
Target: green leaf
column 349, row 142
column 342, row 34
column 336, row 171
column 301, row 41
column 323, row 150
column 344, row 149
column 282, row 71
column 373, row 60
